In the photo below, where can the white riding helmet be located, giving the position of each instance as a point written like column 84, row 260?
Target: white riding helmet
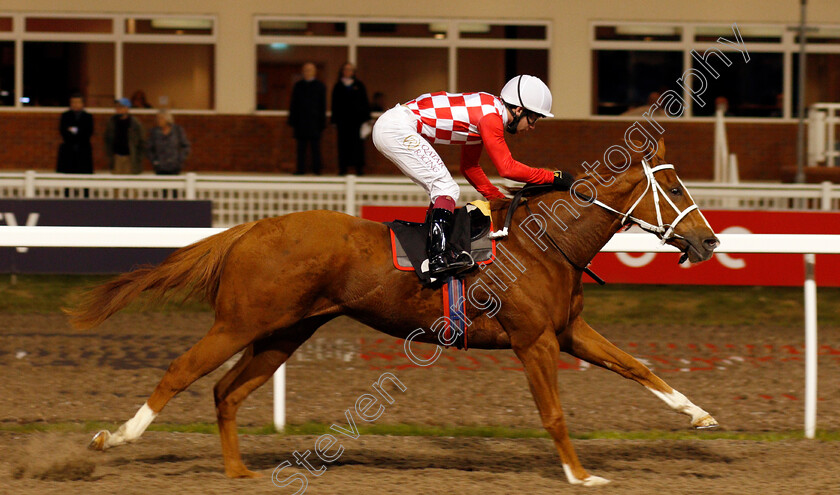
column 530, row 93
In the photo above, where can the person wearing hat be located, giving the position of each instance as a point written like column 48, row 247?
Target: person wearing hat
column 476, row 121
column 125, row 140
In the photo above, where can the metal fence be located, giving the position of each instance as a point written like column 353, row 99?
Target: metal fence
column 239, row 199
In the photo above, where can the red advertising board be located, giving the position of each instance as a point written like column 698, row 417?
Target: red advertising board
column 722, row 269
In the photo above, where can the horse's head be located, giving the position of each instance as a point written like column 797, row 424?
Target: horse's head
column 661, row 204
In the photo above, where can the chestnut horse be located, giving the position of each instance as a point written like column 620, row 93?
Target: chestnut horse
column 275, row 281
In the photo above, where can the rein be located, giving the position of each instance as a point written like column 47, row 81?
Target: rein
column 665, row 232
column 514, row 204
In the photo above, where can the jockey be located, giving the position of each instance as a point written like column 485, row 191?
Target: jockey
column 475, row 121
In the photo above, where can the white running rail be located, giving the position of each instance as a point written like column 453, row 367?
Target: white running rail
column 239, row 199
column 156, row 237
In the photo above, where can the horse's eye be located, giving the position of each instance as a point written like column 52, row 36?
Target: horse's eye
column 676, row 191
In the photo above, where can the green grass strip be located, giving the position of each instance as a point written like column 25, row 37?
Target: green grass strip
column 411, row 430
column 612, row 304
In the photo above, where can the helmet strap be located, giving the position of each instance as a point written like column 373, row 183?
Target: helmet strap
column 513, row 125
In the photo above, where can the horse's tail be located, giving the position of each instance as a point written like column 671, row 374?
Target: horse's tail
column 197, row 267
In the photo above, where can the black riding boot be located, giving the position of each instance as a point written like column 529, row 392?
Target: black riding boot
column 443, row 259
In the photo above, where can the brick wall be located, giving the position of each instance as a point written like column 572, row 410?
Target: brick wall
column 249, row 143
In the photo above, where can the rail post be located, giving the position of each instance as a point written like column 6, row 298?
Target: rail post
column 29, row 184
column 189, row 191
column 810, row 347
column 280, row 398
column 825, row 203
column 350, row 194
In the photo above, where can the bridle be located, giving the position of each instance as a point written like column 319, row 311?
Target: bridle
column 664, row 231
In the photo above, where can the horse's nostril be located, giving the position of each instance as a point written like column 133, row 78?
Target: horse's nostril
column 711, row 243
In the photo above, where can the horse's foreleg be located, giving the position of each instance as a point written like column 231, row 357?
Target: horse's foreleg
column 540, row 360
column 582, row 341
column 255, row 367
column 209, row 353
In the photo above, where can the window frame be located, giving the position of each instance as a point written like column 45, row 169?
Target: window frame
column 353, row 39
column 119, row 37
column 787, row 47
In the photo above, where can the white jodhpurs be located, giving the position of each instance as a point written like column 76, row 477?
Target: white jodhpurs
column 395, row 136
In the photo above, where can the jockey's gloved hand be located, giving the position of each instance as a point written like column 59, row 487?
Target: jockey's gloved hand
column 563, row 180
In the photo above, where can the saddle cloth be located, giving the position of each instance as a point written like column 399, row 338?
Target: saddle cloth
column 470, row 234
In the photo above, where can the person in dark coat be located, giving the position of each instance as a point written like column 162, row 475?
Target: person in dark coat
column 350, row 109
column 308, row 117
column 125, row 140
column 76, row 127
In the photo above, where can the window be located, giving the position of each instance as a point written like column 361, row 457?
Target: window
column 53, row 70
column 68, row 25
column 468, row 30
column 301, row 28
column 170, row 61
column 170, row 58
column 627, row 81
column 397, row 61
column 170, row 75
column 169, row 25
column 7, row 73
column 822, row 81
column 752, row 89
column 488, row 69
column 400, row 30
column 393, row 72
column 633, row 62
column 750, row 34
column 637, row 32
column 279, row 65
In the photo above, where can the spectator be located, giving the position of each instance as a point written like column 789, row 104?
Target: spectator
column 350, row 109
column 168, row 145
column 308, row 117
column 125, row 140
column 76, row 127
column 138, row 100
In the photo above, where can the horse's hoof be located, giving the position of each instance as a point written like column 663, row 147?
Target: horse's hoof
column 705, row 423
column 243, row 474
column 595, row 481
column 100, row 440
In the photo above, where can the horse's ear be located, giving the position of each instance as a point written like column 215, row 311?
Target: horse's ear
column 660, row 152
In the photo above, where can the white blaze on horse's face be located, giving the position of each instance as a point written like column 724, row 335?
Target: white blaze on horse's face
column 694, row 237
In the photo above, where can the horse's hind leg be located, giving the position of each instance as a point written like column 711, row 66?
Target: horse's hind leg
column 582, row 341
column 256, row 366
column 220, row 343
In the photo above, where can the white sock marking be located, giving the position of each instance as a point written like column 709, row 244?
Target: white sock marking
column 680, row 403
column 589, row 481
column 134, row 427
column 570, row 476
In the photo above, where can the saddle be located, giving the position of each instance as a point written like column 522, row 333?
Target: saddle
column 471, row 231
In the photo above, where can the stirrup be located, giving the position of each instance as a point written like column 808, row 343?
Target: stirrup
column 453, row 270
